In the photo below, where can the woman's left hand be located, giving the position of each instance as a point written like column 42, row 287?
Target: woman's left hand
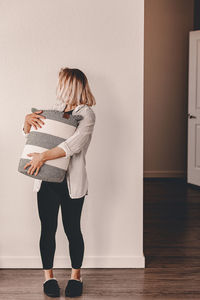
column 35, row 164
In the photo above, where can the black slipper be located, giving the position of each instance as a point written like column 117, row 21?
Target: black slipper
column 74, row 288
column 51, row 288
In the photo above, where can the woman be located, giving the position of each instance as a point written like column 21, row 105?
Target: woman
column 73, row 96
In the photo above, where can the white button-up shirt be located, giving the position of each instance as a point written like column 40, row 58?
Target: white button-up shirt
column 76, row 146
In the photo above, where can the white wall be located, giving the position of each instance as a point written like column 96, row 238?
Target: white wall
column 105, row 40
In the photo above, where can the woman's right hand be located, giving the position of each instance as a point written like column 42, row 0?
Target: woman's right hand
column 33, row 119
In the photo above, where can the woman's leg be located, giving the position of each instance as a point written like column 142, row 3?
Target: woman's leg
column 71, row 215
column 48, row 207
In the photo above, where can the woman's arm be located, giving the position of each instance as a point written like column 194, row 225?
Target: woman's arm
column 52, row 154
column 67, row 148
column 38, row 159
column 74, row 143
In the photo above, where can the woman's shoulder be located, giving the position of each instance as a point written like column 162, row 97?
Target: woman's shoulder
column 87, row 110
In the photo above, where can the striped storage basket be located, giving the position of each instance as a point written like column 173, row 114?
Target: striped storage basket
column 57, row 128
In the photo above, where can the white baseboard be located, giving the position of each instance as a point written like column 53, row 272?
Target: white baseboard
column 64, row 262
column 168, row 173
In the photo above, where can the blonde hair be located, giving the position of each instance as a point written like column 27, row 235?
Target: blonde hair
column 73, row 89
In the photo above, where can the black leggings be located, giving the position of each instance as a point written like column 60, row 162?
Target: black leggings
column 49, row 197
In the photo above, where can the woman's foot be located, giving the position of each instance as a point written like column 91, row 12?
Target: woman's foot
column 74, row 288
column 51, row 288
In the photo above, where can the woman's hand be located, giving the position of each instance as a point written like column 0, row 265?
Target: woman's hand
column 35, row 164
column 40, row 158
column 33, row 119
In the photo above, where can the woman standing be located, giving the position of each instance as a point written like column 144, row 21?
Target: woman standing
column 73, row 97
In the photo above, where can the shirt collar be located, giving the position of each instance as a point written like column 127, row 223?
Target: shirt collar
column 78, row 107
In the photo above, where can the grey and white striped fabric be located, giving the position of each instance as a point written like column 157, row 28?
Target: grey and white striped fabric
column 57, row 128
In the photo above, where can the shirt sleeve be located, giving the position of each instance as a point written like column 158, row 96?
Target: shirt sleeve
column 76, row 142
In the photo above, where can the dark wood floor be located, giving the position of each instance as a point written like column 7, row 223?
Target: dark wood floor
column 171, row 248
column 172, row 239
